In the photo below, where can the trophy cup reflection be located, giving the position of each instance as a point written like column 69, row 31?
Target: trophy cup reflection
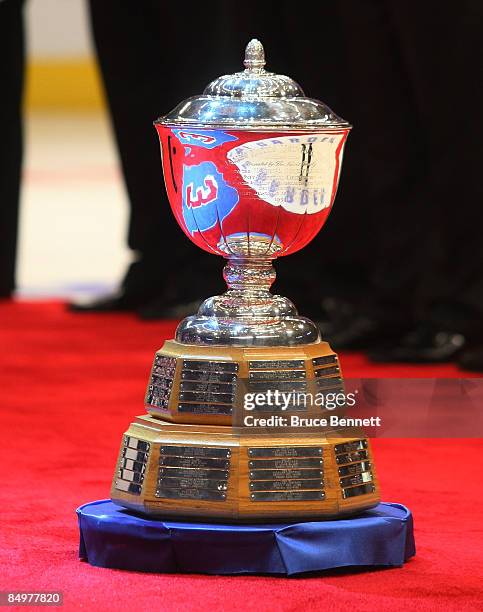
column 251, row 170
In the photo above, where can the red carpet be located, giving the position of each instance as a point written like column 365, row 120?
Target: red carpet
column 69, row 386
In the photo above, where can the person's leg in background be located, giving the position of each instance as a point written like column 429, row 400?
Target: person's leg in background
column 11, row 82
column 443, row 53
column 381, row 105
column 135, row 63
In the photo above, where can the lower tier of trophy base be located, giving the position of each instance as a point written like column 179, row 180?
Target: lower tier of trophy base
column 221, row 473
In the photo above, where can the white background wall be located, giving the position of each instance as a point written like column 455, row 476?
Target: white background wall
column 58, row 29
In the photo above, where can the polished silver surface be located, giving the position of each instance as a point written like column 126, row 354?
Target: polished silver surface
column 285, row 463
column 192, row 493
column 205, row 408
column 354, row 468
column 299, row 165
column 356, row 479
column 356, row 491
column 348, row 447
column 195, row 451
column 275, row 375
column 160, row 384
column 279, row 364
column 287, row 495
column 195, row 462
column 254, row 99
column 351, row 457
column 286, row 485
column 248, row 314
column 285, row 451
column 326, row 360
column 132, row 465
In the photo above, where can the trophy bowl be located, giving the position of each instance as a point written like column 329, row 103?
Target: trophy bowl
column 251, row 170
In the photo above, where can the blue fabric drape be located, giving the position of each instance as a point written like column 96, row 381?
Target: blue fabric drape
column 111, row 536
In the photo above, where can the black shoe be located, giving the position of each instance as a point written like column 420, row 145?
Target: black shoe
column 472, row 359
column 422, row 345
column 360, row 333
column 114, row 302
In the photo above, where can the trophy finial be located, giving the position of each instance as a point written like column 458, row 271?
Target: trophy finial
column 254, row 55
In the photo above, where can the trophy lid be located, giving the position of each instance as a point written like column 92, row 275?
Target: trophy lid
column 254, row 99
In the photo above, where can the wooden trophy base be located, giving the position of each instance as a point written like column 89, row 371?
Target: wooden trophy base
column 218, row 473
column 224, row 471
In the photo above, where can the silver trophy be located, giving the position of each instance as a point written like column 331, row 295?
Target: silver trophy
column 251, row 169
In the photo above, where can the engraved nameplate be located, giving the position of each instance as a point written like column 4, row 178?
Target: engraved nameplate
column 261, row 386
column 172, row 472
column 135, row 466
column 193, row 408
column 327, row 371
column 355, row 468
column 278, row 375
column 208, row 376
column 202, row 494
column 287, row 495
column 195, row 451
column 160, row 385
column 209, row 397
column 206, row 387
column 192, row 483
column 349, row 457
column 333, row 383
column 282, row 407
column 277, row 364
column 356, row 491
column 284, row 463
column 132, row 465
column 285, row 485
column 128, row 487
column 285, row 451
column 348, row 447
column 211, row 366
column 195, row 462
column 130, row 453
column 284, row 474
column 137, row 444
column 319, row 361
column 131, row 476
column 356, row 479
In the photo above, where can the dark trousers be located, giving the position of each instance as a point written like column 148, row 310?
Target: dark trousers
column 11, row 84
column 415, row 73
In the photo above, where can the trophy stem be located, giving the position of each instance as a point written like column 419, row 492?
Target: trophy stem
column 247, row 314
column 253, row 276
